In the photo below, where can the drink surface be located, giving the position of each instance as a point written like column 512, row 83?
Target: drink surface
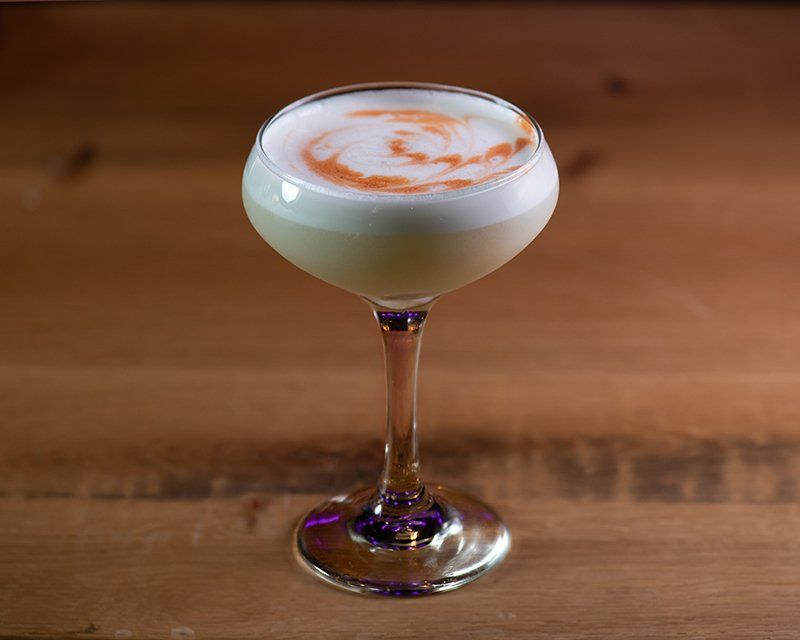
column 400, row 142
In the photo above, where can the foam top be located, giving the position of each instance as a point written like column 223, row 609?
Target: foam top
column 400, row 141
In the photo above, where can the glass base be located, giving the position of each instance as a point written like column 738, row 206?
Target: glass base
column 334, row 542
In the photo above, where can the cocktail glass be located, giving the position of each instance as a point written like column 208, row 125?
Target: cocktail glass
column 401, row 537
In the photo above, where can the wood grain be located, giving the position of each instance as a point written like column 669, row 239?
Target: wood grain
column 173, row 395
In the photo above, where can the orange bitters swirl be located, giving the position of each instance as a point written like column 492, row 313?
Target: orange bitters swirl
column 420, row 150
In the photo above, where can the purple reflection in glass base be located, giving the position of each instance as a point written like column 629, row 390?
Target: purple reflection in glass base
column 401, row 531
column 349, row 541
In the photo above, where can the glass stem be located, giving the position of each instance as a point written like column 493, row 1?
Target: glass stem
column 401, row 514
column 400, row 487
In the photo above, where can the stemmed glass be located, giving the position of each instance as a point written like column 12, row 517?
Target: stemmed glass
column 402, row 537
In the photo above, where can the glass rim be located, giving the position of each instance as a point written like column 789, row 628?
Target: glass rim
column 398, row 197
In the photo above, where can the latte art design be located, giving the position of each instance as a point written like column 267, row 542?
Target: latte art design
column 412, row 151
column 400, row 142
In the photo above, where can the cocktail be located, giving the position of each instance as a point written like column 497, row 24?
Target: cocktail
column 400, row 192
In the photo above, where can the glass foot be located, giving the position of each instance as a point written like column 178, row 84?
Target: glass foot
column 460, row 539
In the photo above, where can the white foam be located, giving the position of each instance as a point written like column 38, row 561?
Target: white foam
column 274, row 184
column 412, row 142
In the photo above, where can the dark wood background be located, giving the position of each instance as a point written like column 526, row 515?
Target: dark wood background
column 173, row 395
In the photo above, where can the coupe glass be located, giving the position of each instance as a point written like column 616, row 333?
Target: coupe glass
column 401, row 537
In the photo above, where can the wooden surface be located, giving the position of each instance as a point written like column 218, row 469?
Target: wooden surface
column 173, row 395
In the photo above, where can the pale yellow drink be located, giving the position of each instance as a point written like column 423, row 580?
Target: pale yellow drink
column 384, row 206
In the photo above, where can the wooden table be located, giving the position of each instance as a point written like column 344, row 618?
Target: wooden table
column 173, row 395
